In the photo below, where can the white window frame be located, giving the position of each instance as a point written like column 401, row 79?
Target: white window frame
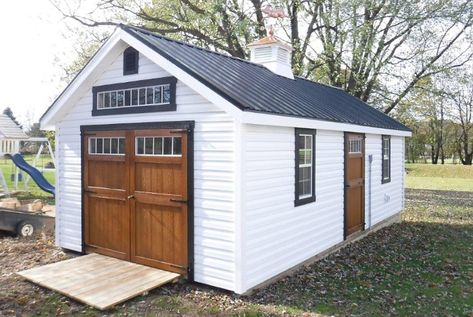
column 101, row 97
column 103, row 147
column 385, row 158
column 309, row 136
column 153, row 137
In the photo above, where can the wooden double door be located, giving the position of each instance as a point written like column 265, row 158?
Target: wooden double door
column 354, row 183
column 135, row 196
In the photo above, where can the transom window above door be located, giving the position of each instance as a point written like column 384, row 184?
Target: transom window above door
column 158, row 146
column 153, row 95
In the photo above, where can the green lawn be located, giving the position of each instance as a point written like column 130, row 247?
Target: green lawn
column 439, row 177
column 8, row 169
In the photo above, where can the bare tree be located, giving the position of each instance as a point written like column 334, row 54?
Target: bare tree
column 464, row 105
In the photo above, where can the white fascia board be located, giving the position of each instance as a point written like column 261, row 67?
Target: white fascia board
column 183, row 76
column 286, row 121
column 50, row 118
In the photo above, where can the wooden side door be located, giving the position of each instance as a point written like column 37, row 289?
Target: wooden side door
column 105, row 181
column 354, row 182
column 158, row 184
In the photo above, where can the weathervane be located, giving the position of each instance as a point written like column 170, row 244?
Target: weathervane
column 273, row 12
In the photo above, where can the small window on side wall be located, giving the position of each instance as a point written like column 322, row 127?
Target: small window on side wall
column 304, row 166
column 386, row 159
column 130, row 61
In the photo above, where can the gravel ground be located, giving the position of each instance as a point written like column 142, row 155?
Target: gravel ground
column 422, row 266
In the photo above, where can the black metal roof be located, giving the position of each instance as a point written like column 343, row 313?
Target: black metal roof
column 252, row 87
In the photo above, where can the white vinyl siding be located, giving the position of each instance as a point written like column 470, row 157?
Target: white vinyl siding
column 214, row 171
column 386, row 199
column 276, row 235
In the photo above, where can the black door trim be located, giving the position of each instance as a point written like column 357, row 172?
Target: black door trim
column 189, row 126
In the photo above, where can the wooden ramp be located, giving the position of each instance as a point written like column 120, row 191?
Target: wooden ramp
column 98, row 280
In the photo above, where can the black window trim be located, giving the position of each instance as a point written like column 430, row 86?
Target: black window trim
column 135, row 109
column 297, row 200
column 384, row 179
column 131, row 50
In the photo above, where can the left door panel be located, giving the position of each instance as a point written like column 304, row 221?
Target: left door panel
column 106, row 181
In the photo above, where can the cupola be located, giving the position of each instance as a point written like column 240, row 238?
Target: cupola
column 274, row 54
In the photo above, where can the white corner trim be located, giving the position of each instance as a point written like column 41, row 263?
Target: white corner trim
column 287, row 121
column 240, row 210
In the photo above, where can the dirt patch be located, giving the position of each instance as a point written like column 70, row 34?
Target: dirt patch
column 16, row 254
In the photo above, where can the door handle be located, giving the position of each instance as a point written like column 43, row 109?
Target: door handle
column 179, row 200
column 131, row 196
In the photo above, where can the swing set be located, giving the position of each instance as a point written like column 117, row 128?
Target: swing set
column 20, row 166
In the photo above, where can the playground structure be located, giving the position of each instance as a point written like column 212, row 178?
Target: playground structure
column 11, row 139
column 20, row 165
column 22, row 216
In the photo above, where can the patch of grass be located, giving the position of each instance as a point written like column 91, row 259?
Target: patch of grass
column 439, row 177
column 439, row 170
column 439, row 183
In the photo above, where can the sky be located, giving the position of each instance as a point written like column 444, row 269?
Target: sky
column 33, row 43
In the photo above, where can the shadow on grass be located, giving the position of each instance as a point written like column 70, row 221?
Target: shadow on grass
column 439, row 197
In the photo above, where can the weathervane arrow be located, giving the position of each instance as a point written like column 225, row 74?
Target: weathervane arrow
column 273, row 12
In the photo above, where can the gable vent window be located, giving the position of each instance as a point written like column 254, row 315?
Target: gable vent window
column 263, row 54
column 130, row 61
column 386, row 158
column 151, row 95
column 304, row 166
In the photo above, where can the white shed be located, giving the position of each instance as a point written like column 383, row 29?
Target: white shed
column 10, row 135
column 227, row 171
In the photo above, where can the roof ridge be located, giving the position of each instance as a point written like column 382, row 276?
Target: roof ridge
column 143, row 30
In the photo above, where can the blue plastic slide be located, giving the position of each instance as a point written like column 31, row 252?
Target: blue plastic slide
column 33, row 172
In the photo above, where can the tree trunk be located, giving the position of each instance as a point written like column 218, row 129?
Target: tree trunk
column 442, row 155
column 434, row 155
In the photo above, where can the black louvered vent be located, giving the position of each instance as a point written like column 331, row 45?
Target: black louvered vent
column 130, row 61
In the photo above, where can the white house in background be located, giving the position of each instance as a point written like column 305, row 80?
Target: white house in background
column 10, row 135
column 227, row 171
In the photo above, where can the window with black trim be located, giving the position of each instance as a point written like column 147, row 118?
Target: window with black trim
column 131, row 59
column 151, row 95
column 304, row 166
column 386, row 158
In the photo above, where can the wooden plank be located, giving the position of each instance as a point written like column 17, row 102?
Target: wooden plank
column 98, row 280
column 138, row 287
